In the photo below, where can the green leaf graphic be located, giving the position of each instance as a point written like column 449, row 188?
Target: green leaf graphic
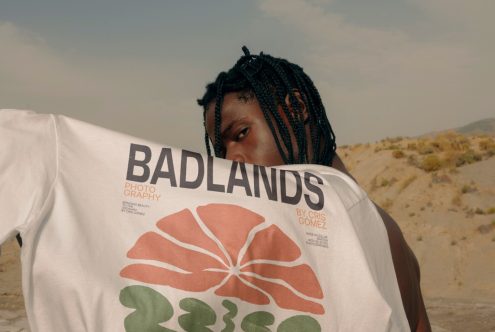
column 227, row 318
column 152, row 308
column 301, row 323
column 199, row 317
column 257, row 322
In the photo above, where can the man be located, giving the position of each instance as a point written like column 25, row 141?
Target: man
column 267, row 111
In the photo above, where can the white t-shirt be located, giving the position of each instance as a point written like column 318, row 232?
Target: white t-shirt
column 123, row 234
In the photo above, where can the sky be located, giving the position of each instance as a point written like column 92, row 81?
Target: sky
column 384, row 68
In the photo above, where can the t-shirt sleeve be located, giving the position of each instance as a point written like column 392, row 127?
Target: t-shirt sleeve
column 28, row 167
column 373, row 236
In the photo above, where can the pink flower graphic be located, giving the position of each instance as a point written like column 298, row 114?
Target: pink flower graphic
column 223, row 251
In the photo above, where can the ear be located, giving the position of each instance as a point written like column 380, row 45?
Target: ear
column 301, row 104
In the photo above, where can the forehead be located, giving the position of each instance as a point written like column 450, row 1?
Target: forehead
column 235, row 105
column 233, row 99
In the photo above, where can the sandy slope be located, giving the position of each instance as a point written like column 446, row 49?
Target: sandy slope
column 450, row 232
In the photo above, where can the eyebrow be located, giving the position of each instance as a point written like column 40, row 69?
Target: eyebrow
column 223, row 132
column 227, row 129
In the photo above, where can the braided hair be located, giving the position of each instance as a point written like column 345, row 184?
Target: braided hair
column 271, row 80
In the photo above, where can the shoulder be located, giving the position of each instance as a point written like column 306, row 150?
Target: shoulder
column 349, row 192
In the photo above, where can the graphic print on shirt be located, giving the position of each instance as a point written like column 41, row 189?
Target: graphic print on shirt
column 230, row 250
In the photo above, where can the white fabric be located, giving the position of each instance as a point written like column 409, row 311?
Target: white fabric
column 105, row 252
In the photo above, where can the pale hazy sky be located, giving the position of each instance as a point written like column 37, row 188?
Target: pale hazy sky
column 383, row 67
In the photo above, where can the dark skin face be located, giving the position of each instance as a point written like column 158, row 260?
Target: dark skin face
column 246, row 137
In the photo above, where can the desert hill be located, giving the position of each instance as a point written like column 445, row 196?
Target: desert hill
column 486, row 126
column 480, row 127
column 441, row 191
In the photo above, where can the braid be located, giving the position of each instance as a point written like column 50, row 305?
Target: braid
column 301, row 80
column 271, row 80
column 218, row 118
column 268, row 109
column 207, row 138
column 281, row 101
column 297, row 127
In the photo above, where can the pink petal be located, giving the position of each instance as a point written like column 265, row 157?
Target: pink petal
column 193, row 282
column 301, row 277
column 285, row 298
column 155, row 247
column 272, row 244
column 234, row 287
column 231, row 224
column 183, row 227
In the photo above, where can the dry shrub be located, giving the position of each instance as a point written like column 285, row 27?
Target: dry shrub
column 407, row 182
column 486, row 228
column 393, row 147
column 448, row 141
column 393, row 180
column 426, row 149
column 356, row 146
column 453, row 170
column 387, row 204
column 398, row 154
column 468, row 157
column 431, row 163
column 411, row 146
column 439, row 145
column 490, row 210
column 486, row 144
column 450, row 158
column 457, row 200
column 442, row 178
column 388, row 182
column 373, row 184
column 463, row 142
column 452, row 141
column 396, row 139
column 490, row 152
column 467, row 188
column 479, row 211
column 413, row 160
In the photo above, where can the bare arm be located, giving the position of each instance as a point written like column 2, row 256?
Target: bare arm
column 408, row 276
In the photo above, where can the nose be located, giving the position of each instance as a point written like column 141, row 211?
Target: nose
column 235, row 154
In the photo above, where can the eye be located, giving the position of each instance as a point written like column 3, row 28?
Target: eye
column 242, row 134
